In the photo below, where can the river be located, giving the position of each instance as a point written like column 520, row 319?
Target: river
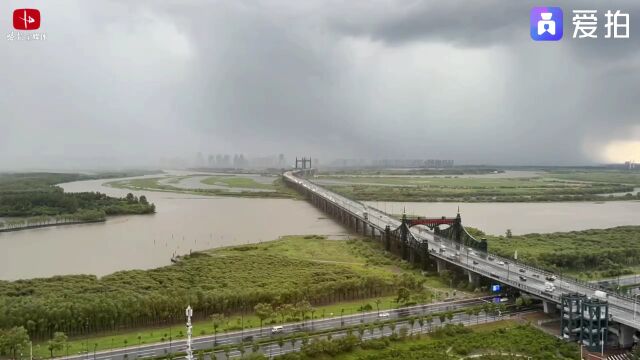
column 188, row 222
column 182, row 223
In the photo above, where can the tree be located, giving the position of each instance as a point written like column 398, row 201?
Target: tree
column 403, row 295
column 14, row 340
column 263, row 311
column 143, row 200
column 429, row 320
column 281, row 342
column 218, row 319
column 449, row 316
column 57, row 342
column 378, row 301
column 508, row 234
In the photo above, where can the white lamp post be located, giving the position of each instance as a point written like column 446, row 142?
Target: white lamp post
column 189, row 313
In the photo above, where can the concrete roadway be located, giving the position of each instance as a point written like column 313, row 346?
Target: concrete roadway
column 532, row 280
column 233, row 338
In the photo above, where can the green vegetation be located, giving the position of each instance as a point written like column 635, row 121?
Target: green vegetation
column 411, row 188
column 236, row 182
column 605, row 176
column 504, row 340
column 437, row 172
column 237, row 186
column 589, row 254
column 223, row 281
column 35, row 195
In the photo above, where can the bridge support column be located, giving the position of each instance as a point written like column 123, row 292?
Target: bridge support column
column 441, row 264
column 474, row 279
column 387, row 238
column 625, row 339
column 548, row 307
column 412, row 256
column 364, row 228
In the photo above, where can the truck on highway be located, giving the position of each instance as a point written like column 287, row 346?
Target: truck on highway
column 549, row 286
column 601, row 294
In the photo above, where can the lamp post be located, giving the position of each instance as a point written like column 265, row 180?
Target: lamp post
column 189, row 314
column 341, row 321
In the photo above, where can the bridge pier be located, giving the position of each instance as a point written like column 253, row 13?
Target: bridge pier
column 412, row 255
column 625, row 335
column 548, row 307
column 442, row 265
column 387, row 238
column 474, row 279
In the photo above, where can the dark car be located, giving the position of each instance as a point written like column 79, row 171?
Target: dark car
column 475, row 262
column 536, row 276
column 248, row 338
column 523, row 270
column 522, row 278
column 490, row 258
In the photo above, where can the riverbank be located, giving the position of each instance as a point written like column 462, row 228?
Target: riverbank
column 31, row 227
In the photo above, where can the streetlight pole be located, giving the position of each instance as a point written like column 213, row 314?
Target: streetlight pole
column 341, row 321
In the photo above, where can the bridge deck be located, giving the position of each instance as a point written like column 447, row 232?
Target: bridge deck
column 621, row 308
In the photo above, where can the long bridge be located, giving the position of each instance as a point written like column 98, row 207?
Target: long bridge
column 421, row 241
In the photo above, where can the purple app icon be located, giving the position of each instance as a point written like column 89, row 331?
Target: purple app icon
column 546, row 23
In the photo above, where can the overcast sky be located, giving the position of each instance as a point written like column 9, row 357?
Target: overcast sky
column 128, row 82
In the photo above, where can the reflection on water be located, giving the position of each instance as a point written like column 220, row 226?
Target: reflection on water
column 182, row 223
column 524, row 218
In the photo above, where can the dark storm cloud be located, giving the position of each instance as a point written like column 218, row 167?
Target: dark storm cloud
column 130, row 82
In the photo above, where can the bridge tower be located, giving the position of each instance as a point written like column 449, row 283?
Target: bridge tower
column 303, row 163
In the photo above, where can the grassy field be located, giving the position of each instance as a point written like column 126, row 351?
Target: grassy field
column 237, row 182
column 610, row 176
column 331, row 274
column 588, row 254
column 235, row 185
column 476, row 189
column 504, row 340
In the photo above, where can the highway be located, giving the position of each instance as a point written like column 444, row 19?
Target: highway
column 506, row 271
column 250, row 335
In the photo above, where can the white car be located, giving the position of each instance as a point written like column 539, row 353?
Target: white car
column 501, row 263
column 383, row 315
